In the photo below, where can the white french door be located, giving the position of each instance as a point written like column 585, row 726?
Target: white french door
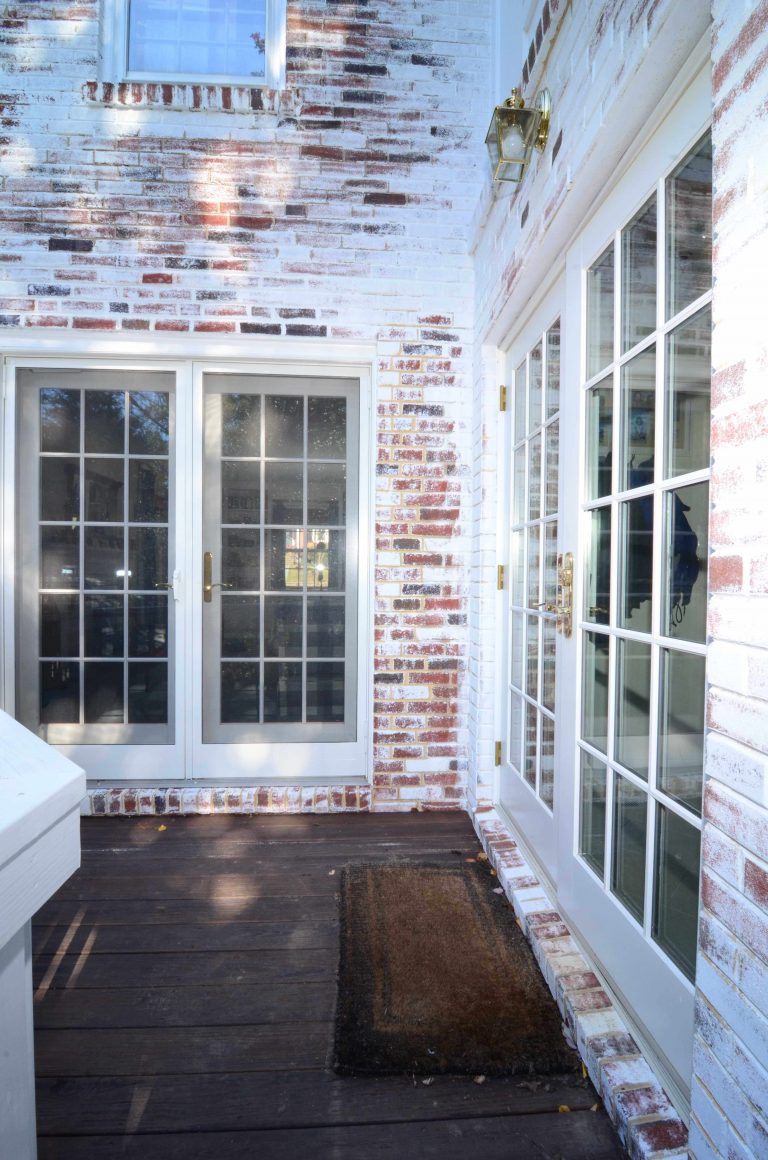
column 638, row 297
column 188, row 560
column 531, row 697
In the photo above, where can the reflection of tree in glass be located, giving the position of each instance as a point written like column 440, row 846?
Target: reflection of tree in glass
column 259, row 42
column 149, row 423
column 104, row 419
column 59, row 419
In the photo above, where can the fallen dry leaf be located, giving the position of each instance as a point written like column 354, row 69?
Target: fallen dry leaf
column 161, row 828
column 482, row 856
column 479, row 1079
column 594, row 1107
column 583, row 1070
column 331, row 873
column 429, row 1080
column 563, row 1108
column 493, row 874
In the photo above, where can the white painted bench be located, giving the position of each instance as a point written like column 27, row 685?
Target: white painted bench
column 40, row 794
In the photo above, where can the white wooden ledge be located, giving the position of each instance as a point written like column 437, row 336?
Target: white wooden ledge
column 40, row 794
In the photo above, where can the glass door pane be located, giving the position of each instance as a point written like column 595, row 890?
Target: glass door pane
column 532, row 573
column 96, row 613
column 279, row 586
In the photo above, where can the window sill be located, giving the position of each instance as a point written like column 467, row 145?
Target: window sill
column 183, row 97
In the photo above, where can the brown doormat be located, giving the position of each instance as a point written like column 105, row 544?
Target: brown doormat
column 436, row 978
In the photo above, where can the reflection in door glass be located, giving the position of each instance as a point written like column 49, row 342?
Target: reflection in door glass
column 104, row 422
column 598, row 577
column 592, row 812
column 547, row 763
column 594, row 709
column 599, row 441
column 688, row 386
column 686, row 553
column 534, row 387
column 59, row 420
column 689, row 228
column 638, row 421
column 681, row 727
column 148, row 426
column 531, row 745
column 241, row 425
column 600, row 302
column 630, row 813
column 675, row 917
column 553, row 370
column 638, row 273
column 636, row 563
column 633, row 705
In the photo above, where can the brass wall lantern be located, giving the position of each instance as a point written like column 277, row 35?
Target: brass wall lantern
column 515, row 131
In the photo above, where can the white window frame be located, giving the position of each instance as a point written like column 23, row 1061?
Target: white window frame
column 114, row 52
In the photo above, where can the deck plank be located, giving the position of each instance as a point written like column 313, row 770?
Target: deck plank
column 186, row 992
column 578, row 1136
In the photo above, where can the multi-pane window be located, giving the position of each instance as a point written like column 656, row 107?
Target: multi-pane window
column 533, row 565
column 94, row 521
column 280, row 632
column 206, row 40
column 645, row 513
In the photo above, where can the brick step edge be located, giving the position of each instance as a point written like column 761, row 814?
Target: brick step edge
column 161, row 801
column 647, row 1123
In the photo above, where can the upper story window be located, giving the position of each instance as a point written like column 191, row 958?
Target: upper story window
column 208, row 41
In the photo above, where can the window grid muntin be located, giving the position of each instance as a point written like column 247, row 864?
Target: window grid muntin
column 523, row 433
column 659, row 489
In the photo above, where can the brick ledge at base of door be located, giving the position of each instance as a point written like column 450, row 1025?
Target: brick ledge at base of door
column 646, row 1121
column 161, row 801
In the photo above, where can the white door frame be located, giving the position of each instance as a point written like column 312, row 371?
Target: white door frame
column 656, row 994
column 304, row 358
column 522, row 803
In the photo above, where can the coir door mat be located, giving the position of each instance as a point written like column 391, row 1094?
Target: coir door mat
column 436, row 977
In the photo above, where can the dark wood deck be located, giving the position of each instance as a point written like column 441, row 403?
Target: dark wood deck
column 185, row 998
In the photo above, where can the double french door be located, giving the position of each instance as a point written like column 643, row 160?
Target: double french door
column 603, row 755
column 188, row 597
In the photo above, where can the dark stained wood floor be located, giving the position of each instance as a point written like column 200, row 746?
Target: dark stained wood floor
column 185, row 993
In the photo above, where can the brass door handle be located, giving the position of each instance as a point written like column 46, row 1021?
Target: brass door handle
column 208, row 584
column 564, row 606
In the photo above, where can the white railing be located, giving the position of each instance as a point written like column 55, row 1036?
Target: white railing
column 40, row 794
